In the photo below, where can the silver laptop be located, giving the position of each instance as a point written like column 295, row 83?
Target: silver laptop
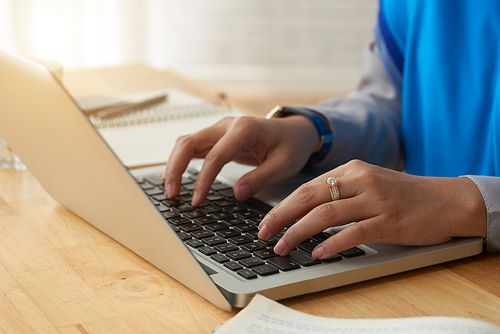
column 213, row 249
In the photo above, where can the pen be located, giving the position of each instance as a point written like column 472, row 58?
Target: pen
column 124, row 107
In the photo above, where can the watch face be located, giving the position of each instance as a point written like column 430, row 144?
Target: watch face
column 275, row 112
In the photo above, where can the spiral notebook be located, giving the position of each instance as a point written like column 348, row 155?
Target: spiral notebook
column 146, row 136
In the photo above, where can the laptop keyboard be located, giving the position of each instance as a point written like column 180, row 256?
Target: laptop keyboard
column 225, row 230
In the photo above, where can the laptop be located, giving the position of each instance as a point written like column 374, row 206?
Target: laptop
column 211, row 249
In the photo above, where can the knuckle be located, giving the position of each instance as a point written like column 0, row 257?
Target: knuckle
column 358, row 231
column 306, row 192
column 213, row 158
column 356, row 164
column 325, row 211
column 183, row 141
column 244, row 124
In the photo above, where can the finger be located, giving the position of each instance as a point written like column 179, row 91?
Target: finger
column 319, row 219
column 362, row 232
column 236, row 140
column 186, row 148
column 300, row 202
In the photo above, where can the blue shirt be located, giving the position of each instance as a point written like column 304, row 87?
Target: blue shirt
column 449, row 83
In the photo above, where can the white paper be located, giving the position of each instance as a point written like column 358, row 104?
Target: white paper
column 151, row 143
column 264, row 316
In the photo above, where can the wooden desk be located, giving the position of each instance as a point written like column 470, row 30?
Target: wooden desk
column 58, row 274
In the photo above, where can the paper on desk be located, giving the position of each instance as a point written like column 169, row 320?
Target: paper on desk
column 264, row 316
column 140, row 143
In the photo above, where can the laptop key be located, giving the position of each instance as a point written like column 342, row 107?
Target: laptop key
column 271, row 242
column 210, row 208
column 252, row 247
column 245, row 227
column 228, row 233
column 251, row 262
column 154, row 191
column 246, row 214
column 255, row 220
column 227, row 193
column 162, row 208
column 214, row 240
column 233, row 221
column 205, row 250
column 220, row 186
column 235, row 208
column 183, row 208
column 320, row 237
column 252, row 234
column 190, row 227
column 193, row 171
column 188, row 185
column 147, row 186
column 308, row 246
column 154, row 179
column 195, row 243
column 224, row 202
column 219, row 258
column 333, row 258
column 240, row 240
column 221, row 215
column 214, row 197
column 233, row 265
column 184, row 236
column 173, row 202
column 265, row 253
column 238, row 254
column 247, row 273
column 224, row 248
column 202, row 234
column 352, row 252
column 265, row 270
column 160, row 197
column 194, row 214
column 303, row 258
column 178, row 220
column 217, row 226
column 283, row 263
column 205, row 220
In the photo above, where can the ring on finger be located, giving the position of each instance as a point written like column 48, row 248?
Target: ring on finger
column 332, row 185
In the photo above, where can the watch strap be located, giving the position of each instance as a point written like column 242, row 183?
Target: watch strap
column 325, row 134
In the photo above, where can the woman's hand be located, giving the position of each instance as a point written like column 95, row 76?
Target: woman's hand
column 279, row 147
column 389, row 207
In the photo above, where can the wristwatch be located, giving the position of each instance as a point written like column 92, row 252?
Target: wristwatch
column 325, row 134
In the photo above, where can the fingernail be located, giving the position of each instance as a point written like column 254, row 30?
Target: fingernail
column 263, row 222
column 318, row 253
column 280, row 247
column 196, row 198
column 169, row 187
column 243, row 192
column 263, row 233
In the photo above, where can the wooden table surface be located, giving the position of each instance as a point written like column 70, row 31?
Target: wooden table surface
column 58, row 274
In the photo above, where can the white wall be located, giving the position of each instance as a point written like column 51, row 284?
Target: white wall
column 292, row 44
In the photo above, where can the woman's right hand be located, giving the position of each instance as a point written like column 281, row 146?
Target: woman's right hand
column 279, row 147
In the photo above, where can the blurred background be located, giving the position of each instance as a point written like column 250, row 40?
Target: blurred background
column 299, row 47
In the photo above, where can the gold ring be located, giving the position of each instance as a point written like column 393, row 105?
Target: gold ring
column 332, row 185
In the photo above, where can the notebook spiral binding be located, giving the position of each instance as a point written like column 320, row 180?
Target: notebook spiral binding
column 159, row 113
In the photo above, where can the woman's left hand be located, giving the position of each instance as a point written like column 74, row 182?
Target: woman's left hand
column 388, row 207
